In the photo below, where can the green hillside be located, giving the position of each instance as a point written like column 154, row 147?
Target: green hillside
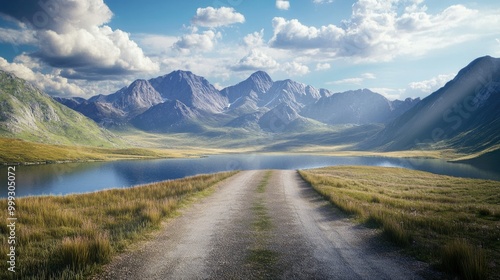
column 28, row 113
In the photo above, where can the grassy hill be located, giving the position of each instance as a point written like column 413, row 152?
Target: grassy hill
column 30, row 114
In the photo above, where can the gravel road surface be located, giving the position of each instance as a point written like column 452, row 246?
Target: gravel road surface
column 264, row 225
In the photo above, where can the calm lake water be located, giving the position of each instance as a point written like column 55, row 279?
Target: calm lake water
column 87, row 177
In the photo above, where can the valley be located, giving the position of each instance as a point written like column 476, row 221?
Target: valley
column 453, row 131
column 181, row 112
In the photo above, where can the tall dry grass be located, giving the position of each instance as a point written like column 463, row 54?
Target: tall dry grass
column 423, row 212
column 70, row 237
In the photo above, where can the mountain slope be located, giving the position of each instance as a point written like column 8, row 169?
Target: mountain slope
column 134, row 99
column 464, row 114
column 119, row 107
column 192, row 90
column 28, row 113
column 170, row 116
column 294, row 94
column 259, row 83
column 244, row 96
column 356, row 107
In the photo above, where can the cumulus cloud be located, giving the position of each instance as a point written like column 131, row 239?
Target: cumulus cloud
column 51, row 83
column 59, row 15
column 256, row 60
column 295, row 68
column 416, row 89
column 197, row 42
column 282, row 4
column 216, row 17
column 424, row 88
column 322, row 66
column 154, row 43
column 17, row 37
column 72, row 35
column 255, row 39
column 379, row 30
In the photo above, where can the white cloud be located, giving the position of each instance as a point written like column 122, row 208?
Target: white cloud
column 213, row 17
column 322, row 66
column 416, row 89
column 73, row 36
column 255, row 39
column 98, row 50
column 282, row 4
column 354, row 80
column 256, row 60
column 295, row 68
column 368, row 76
column 154, row 43
column 380, row 30
column 348, row 81
column 389, row 93
column 17, row 37
column 322, row 1
column 424, row 88
column 197, row 42
column 52, row 83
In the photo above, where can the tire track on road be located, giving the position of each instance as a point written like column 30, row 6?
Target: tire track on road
column 264, row 225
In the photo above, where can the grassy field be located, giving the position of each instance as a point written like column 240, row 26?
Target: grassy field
column 20, row 151
column 70, row 237
column 453, row 223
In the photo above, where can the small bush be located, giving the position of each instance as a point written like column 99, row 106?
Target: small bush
column 464, row 260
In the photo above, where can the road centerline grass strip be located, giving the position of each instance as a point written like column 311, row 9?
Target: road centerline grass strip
column 260, row 257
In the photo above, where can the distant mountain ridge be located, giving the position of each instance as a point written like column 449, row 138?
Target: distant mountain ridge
column 250, row 104
column 464, row 114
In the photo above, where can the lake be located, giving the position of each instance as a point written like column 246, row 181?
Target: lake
column 88, row 177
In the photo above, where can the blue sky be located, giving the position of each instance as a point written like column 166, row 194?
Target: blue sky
column 399, row 48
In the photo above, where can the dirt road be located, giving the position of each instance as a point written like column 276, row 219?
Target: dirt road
column 264, row 225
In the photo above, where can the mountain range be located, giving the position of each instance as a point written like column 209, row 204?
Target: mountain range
column 463, row 115
column 184, row 102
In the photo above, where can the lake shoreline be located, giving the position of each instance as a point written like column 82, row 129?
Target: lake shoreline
column 84, row 177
